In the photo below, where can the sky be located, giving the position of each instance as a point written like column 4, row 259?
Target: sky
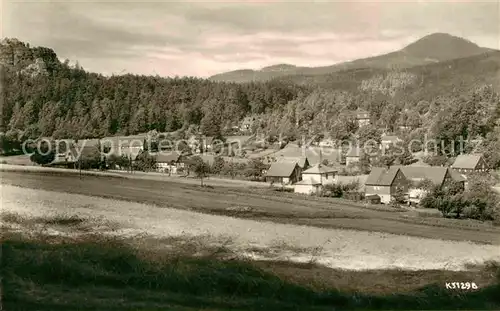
column 203, row 38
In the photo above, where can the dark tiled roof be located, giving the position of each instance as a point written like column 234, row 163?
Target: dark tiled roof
column 380, row 176
column 281, row 169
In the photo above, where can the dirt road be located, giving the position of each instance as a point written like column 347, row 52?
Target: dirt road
column 221, row 201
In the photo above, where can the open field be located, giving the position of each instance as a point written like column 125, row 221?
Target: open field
column 262, row 240
column 98, row 273
column 67, row 251
column 72, row 252
column 259, row 204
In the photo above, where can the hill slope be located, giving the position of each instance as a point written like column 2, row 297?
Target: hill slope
column 427, row 50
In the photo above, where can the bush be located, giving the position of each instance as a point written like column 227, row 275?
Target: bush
column 338, row 190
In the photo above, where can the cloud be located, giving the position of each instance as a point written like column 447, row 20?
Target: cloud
column 203, row 38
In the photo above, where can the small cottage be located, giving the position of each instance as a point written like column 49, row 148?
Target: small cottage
column 314, row 178
column 284, row 173
column 386, row 183
column 169, row 162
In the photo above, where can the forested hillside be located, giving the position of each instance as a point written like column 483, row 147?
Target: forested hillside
column 52, row 98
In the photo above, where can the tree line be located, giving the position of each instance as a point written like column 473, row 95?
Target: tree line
column 68, row 102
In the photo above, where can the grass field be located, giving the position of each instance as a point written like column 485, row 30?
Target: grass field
column 346, row 249
column 260, row 204
column 64, row 251
column 97, row 273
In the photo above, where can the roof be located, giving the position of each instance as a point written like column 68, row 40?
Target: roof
column 319, row 169
column 467, row 161
column 390, row 138
column 295, row 153
column 281, row 169
column 380, row 176
column 301, row 161
column 167, row 157
column 435, row 174
column 456, row 176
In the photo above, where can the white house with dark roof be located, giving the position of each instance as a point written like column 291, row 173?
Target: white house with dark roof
column 470, row 163
column 314, row 178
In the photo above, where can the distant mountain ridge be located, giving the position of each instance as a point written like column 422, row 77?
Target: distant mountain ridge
column 436, row 47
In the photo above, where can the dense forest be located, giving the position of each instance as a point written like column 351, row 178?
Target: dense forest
column 42, row 96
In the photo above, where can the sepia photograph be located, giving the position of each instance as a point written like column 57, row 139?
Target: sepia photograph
column 249, row 155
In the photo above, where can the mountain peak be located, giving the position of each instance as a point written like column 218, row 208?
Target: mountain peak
column 442, row 46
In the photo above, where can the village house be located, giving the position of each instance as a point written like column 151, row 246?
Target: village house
column 470, row 163
column 388, row 140
column 353, row 156
column 169, row 162
column 438, row 176
column 314, row 178
column 284, row 173
column 363, row 117
column 386, row 183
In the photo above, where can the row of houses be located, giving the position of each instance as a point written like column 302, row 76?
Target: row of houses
column 382, row 184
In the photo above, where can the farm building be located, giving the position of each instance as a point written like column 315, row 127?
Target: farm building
column 438, row 176
column 470, row 163
column 386, row 182
column 284, row 173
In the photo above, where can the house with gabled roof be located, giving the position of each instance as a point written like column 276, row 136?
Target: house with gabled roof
column 169, row 161
column 438, row 176
column 385, row 183
column 470, row 163
column 303, row 162
column 285, row 173
column 314, row 178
